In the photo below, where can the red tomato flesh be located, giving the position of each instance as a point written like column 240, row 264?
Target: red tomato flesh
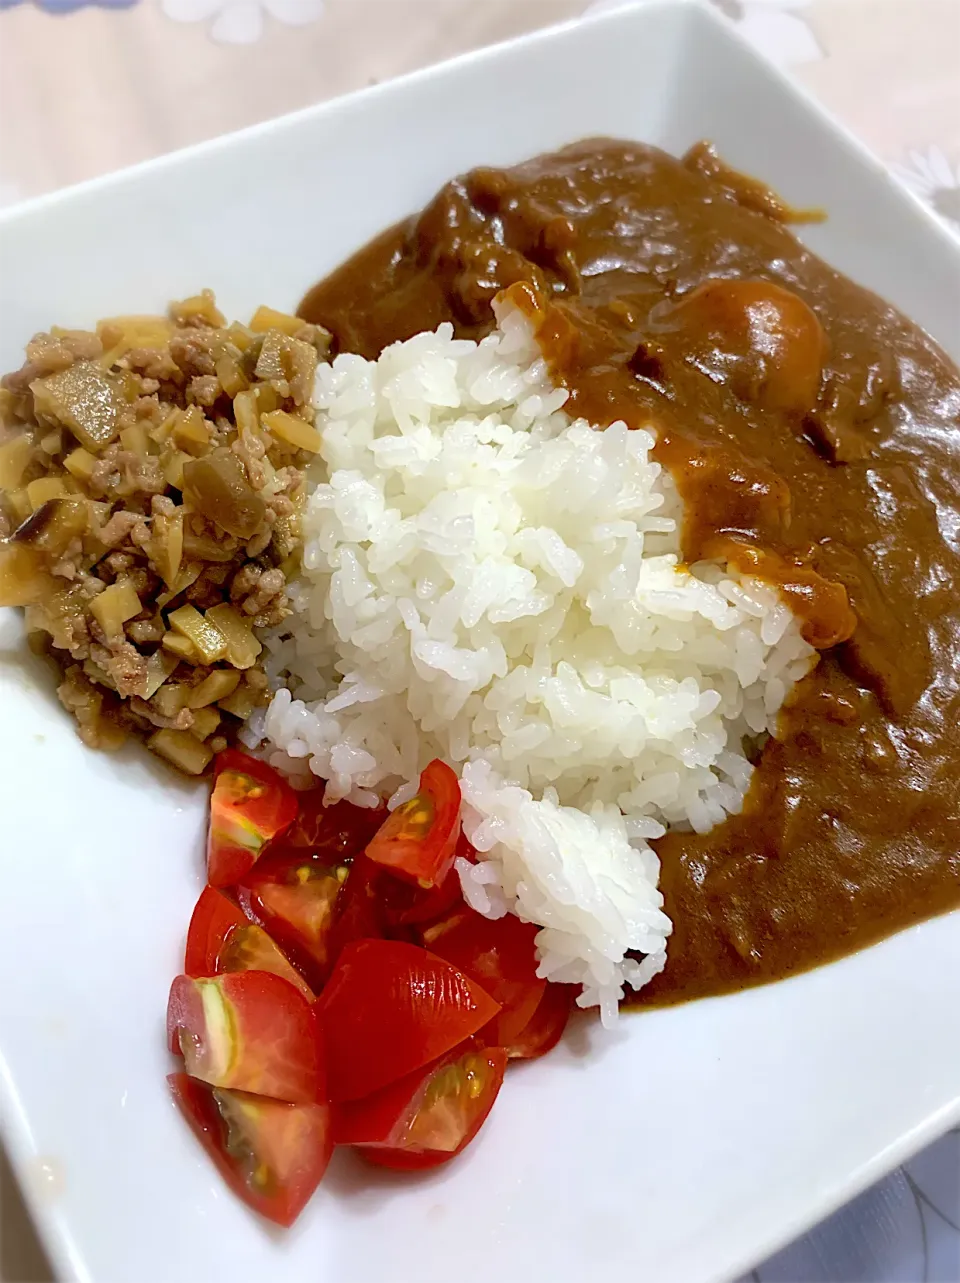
column 271, row 1153
column 407, row 905
column 360, row 910
column 213, row 918
column 545, row 1027
column 499, row 955
column 428, row 1116
column 250, row 1031
column 390, row 1007
column 418, row 840
column 332, row 833
column 294, row 898
column 250, row 804
column 249, row 948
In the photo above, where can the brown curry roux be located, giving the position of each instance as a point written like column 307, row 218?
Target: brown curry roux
column 815, row 435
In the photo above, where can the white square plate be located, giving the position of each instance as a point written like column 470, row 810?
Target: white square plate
column 686, row 1146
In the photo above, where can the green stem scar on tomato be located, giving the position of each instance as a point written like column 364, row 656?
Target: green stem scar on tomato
column 429, row 1116
column 271, row 1153
column 250, row 1031
column 250, row 805
column 418, row 840
column 389, row 1008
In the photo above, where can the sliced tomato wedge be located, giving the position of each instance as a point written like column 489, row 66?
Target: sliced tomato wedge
column 360, row 910
column 407, row 905
column 214, row 917
column 249, row 948
column 498, row 954
column 333, row 833
column 250, row 804
column 545, row 1028
column 418, row 840
column 271, row 1153
column 250, row 1031
column 295, row 898
column 389, row 1008
column 429, row 1116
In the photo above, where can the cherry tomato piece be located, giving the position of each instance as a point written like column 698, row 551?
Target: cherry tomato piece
column 271, row 1153
column 545, row 1027
column 390, row 1007
column 213, row 918
column 333, row 833
column 360, row 909
column 249, row 948
column 498, row 954
column 250, row 804
column 294, row 898
column 250, row 1031
column 407, row 905
column 418, row 840
column 429, row 1116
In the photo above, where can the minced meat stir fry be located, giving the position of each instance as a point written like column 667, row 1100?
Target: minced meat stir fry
column 150, row 485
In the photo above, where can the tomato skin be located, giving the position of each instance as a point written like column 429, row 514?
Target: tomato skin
column 360, row 910
column 406, row 905
column 545, row 1027
column 292, row 1142
column 469, row 1110
column 332, row 833
column 428, row 1116
column 250, row 804
column 418, row 840
column 295, row 898
column 250, row 1031
column 390, row 1007
column 500, row 955
column 213, row 918
column 249, row 948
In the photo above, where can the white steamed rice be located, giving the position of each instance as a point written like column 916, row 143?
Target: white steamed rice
column 486, row 581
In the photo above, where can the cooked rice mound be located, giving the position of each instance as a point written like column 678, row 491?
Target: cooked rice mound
column 486, row 581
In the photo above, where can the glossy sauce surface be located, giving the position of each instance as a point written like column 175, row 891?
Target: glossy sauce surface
column 814, row 433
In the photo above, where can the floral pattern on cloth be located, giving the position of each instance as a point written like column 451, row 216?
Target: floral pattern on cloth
column 776, row 28
column 929, row 175
column 904, row 1229
column 241, row 22
column 69, row 6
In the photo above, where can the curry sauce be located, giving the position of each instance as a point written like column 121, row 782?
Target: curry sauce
column 814, row 433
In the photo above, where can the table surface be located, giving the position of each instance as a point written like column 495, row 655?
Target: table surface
column 87, row 86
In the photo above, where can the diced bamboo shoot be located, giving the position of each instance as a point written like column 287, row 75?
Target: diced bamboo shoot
column 43, row 489
column 114, row 606
column 160, row 666
column 293, row 430
column 23, row 580
column 202, row 630
column 182, row 647
column 267, row 318
column 242, row 648
column 15, row 454
column 214, row 687
column 205, row 722
column 80, row 464
column 181, row 748
column 241, row 703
